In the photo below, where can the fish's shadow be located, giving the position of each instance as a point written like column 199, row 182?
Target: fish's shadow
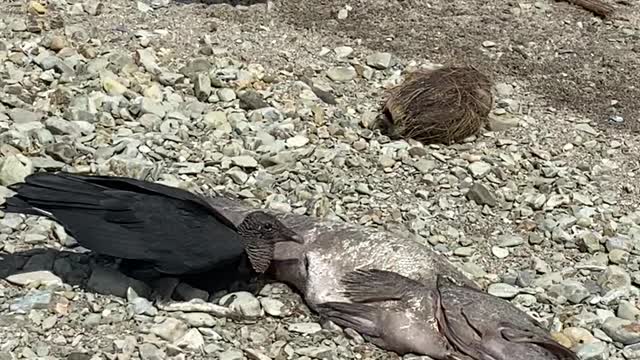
column 105, row 275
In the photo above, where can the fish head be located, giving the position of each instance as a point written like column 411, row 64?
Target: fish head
column 293, row 271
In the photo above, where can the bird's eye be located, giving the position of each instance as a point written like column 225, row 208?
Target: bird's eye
column 267, row 227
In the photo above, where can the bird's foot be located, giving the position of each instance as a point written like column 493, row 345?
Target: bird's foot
column 257, row 284
column 253, row 285
column 163, row 289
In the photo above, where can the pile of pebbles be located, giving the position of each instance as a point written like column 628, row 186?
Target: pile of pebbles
column 542, row 211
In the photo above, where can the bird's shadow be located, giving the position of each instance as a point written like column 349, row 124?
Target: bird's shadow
column 108, row 276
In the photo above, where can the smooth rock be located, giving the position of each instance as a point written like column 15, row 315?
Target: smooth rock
column 342, row 73
column 503, row 290
column 625, row 331
column 481, row 195
column 272, row 307
column 170, row 329
column 244, row 303
column 38, row 277
column 305, row 327
column 379, row 60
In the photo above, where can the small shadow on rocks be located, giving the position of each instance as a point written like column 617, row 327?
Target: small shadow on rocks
column 215, row 2
column 109, row 276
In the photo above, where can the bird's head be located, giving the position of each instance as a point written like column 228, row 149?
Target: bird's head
column 260, row 232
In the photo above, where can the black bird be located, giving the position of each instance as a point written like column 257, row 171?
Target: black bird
column 174, row 231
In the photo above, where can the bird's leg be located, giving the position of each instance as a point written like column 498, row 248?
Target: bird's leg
column 163, row 288
column 247, row 279
column 259, row 282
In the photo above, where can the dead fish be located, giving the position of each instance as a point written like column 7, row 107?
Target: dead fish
column 413, row 309
column 447, row 322
column 331, row 249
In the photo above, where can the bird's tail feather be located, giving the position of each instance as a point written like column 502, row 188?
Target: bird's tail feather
column 17, row 205
column 44, row 191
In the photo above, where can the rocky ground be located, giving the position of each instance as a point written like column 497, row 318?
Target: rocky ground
column 255, row 101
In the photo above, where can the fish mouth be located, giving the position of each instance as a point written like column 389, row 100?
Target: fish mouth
column 288, row 250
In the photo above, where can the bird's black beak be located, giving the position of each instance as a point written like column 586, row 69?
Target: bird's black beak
column 290, row 235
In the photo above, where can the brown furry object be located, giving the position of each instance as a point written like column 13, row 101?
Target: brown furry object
column 598, row 7
column 443, row 106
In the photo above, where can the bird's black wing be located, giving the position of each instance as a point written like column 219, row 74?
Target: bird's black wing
column 176, row 235
column 127, row 184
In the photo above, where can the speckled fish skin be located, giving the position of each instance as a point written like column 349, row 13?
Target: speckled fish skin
column 333, row 249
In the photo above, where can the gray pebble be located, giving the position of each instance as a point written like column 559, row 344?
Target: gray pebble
column 572, row 290
column 621, row 330
column 149, row 351
column 503, row 290
column 305, row 327
column 341, row 73
column 379, row 61
column 231, row 354
column 169, row 329
column 244, row 303
column 272, row 307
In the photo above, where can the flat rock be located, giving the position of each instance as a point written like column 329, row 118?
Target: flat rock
column 14, row 168
column 192, row 340
column 22, row 116
column 272, row 307
column 380, row 61
column 169, row 329
column 243, row 303
column 244, row 161
column 572, row 290
column 35, row 277
column 231, row 354
column 510, row 240
column 621, row 330
column 481, row 195
column 342, row 73
column 297, row 141
column 503, row 290
column 149, row 351
column 615, row 277
column 479, row 169
column 196, row 319
column 252, row 100
column 305, row 327
column 39, row 299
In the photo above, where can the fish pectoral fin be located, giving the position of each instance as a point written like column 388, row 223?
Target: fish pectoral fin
column 377, row 285
column 359, row 317
column 525, row 336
